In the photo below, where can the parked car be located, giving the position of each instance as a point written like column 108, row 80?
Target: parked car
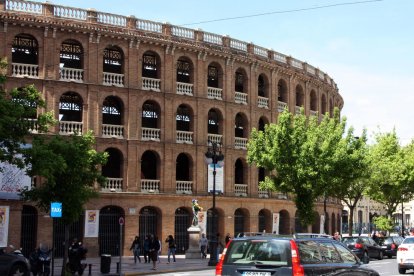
column 390, row 245
column 364, row 247
column 266, row 255
column 13, row 263
column 405, row 255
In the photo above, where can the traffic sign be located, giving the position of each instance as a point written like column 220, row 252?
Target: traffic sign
column 56, row 209
column 121, row 221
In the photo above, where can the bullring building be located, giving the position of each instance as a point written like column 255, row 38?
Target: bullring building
column 155, row 96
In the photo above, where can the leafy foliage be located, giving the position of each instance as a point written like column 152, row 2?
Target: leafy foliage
column 16, row 110
column 391, row 171
column 68, row 168
column 383, row 223
column 302, row 156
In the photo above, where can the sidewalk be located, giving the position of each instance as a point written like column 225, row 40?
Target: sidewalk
column 129, row 268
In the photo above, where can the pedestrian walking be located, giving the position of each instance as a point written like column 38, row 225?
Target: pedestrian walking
column 154, row 247
column 203, row 243
column 136, row 249
column 146, row 249
column 171, row 247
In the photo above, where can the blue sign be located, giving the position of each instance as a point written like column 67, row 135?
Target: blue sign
column 56, row 209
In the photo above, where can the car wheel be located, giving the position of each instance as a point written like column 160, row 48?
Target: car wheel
column 18, row 270
column 365, row 258
column 401, row 270
column 380, row 255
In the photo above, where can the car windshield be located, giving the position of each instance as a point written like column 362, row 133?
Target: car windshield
column 385, row 240
column 351, row 240
column 259, row 251
column 408, row 241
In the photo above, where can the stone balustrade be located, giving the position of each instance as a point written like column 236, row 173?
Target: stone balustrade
column 184, row 137
column 215, row 138
column 70, row 127
column 112, row 131
column 113, row 79
column 215, row 93
column 150, row 185
column 240, row 98
column 113, row 185
column 151, row 84
column 150, row 134
column 281, row 106
column 263, row 102
column 130, row 23
column 25, row 70
column 184, row 187
column 240, row 143
column 185, row 88
column 71, row 74
column 240, row 189
column 263, row 193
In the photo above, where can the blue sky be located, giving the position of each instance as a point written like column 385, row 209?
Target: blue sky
column 367, row 48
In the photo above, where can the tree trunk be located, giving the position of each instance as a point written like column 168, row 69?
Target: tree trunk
column 351, row 220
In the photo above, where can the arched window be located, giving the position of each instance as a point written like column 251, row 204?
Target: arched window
column 182, row 168
column 282, row 91
column 113, row 60
column 213, row 76
column 261, row 86
column 323, row 104
column 150, row 115
column 149, row 165
column 25, row 49
column 299, row 96
column 239, row 81
column 213, row 122
column 239, row 126
column 70, row 107
column 183, row 118
column 113, row 166
column 71, row 54
column 239, row 172
column 184, row 71
column 313, row 101
column 112, row 111
column 150, row 66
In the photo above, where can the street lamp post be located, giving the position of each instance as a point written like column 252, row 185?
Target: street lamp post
column 213, row 156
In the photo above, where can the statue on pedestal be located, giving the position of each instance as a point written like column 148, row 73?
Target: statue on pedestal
column 196, row 208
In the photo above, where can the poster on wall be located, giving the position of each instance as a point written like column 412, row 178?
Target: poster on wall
column 322, row 225
column 4, row 225
column 202, row 221
column 219, row 178
column 275, row 223
column 91, row 223
column 13, row 180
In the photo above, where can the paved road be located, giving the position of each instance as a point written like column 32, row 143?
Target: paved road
column 387, row 267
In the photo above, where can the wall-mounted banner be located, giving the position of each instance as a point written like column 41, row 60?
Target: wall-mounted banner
column 91, row 223
column 275, row 223
column 202, row 221
column 13, row 180
column 4, row 225
column 322, row 226
column 219, row 178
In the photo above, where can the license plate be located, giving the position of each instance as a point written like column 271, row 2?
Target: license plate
column 256, row 273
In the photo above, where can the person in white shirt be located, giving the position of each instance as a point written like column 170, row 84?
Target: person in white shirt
column 203, row 242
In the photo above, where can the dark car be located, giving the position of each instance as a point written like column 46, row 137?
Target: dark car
column 390, row 245
column 364, row 247
column 13, row 264
column 267, row 255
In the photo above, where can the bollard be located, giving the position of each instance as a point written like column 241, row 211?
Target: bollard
column 90, row 269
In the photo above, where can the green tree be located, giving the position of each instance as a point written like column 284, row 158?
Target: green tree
column 383, row 223
column 301, row 156
column 16, row 108
column 69, row 167
column 391, row 168
column 352, row 172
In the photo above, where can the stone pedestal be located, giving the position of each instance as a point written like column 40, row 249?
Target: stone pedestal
column 193, row 251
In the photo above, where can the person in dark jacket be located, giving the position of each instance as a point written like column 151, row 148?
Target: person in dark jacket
column 171, row 247
column 154, row 246
column 146, row 249
column 136, row 249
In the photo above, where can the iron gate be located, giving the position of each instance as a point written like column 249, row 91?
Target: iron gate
column 109, row 230
column 182, row 222
column 75, row 231
column 238, row 222
column 147, row 223
column 29, row 230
